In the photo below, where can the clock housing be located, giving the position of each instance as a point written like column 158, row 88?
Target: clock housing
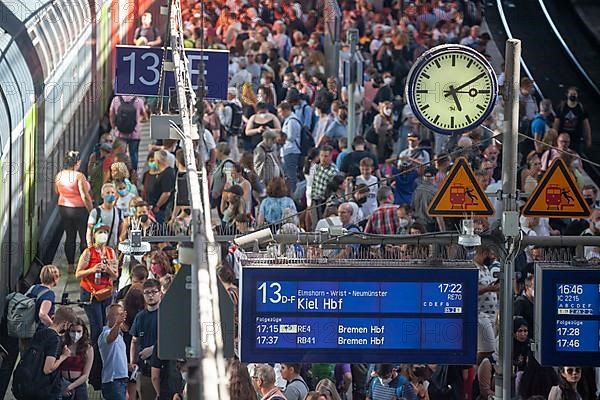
column 451, row 89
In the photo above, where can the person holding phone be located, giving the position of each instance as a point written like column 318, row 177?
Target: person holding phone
column 97, row 269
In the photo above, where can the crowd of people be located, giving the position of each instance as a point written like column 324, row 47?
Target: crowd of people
column 277, row 155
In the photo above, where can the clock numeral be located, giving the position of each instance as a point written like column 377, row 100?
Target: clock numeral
column 468, row 118
column 482, row 108
column 424, row 75
column 484, row 91
column 437, row 64
column 469, row 63
column 452, row 122
column 425, row 107
column 453, row 60
column 422, row 91
column 435, row 120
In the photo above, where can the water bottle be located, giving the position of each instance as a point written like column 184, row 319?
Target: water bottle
column 97, row 277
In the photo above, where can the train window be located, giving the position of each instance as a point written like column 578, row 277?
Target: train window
column 46, row 41
column 41, row 51
column 61, row 12
column 59, row 25
column 53, row 40
column 76, row 7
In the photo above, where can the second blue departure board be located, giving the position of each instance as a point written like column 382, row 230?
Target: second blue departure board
column 568, row 304
column 341, row 314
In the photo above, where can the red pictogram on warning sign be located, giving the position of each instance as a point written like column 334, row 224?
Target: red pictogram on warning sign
column 557, row 195
column 460, row 194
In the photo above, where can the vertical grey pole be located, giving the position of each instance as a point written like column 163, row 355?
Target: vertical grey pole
column 510, row 214
column 352, row 42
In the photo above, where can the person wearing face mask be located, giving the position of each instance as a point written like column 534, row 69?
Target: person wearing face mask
column 142, row 219
column 382, row 134
column 404, row 219
column 48, row 342
column 144, row 332
column 160, row 265
column 385, row 92
column 109, row 215
column 573, row 119
column 388, row 384
column 76, row 368
column 338, row 128
column 260, row 122
column 97, row 269
column 124, row 197
column 487, row 302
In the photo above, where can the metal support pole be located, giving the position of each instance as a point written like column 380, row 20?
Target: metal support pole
column 510, row 215
column 352, row 42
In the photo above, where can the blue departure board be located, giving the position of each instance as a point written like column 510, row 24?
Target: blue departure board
column 358, row 314
column 568, row 305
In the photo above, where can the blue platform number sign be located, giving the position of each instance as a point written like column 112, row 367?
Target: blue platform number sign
column 138, row 71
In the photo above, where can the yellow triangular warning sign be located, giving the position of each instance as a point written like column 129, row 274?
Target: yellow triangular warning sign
column 557, row 195
column 460, row 195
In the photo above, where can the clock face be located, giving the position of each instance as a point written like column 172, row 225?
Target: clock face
column 452, row 89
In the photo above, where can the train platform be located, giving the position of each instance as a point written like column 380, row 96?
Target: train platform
column 68, row 283
column 588, row 12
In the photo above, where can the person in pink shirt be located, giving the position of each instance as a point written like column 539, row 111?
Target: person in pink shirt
column 74, row 204
column 132, row 138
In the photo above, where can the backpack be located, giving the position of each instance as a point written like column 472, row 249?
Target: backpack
column 22, row 320
column 219, row 179
column 307, row 141
column 29, row 381
column 126, row 118
column 235, row 126
column 313, row 118
column 476, row 390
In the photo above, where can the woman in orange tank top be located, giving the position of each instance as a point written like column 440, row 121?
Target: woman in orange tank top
column 74, row 204
column 97, row 269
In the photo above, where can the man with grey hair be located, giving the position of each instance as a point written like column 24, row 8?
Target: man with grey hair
column 345, row 212
column 263, row 380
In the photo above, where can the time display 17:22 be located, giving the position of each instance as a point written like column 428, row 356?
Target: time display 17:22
column 288, row 314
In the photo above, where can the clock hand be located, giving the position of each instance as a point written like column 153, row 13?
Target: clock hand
column 454, row 90
column 455, row 97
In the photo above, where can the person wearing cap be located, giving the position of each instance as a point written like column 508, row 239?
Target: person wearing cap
column 232, row 205
column 266, row 158
column 422, row 197
column 414, row 154
column 74, row 203
column 97, row 268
